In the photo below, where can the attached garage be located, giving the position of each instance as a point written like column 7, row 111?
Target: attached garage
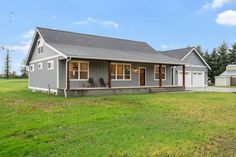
column 187, row 78
column 192, row 78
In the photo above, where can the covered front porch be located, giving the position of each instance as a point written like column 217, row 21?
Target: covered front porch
column 119, row 77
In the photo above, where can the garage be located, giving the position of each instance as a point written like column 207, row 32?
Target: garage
column 187, row 78
column 192, row 79
column 198, row 79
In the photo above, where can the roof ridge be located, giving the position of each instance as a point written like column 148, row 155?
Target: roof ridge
column 101, row 36
column 180, row 49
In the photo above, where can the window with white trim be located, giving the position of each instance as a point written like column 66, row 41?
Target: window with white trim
column 50, row 65
column 32, row 67
column 40, row 66
column 40, row 46
column 120, row 71
column 156, row 72
column 79, row 70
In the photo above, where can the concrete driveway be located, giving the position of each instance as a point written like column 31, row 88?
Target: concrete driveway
column 213, row 89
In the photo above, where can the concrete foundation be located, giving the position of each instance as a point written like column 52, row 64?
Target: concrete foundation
column 113, row 91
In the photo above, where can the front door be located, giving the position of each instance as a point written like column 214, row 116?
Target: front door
column 142, row 76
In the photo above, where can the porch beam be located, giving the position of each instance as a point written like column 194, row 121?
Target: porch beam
column 183, row 75
column 109, row 74
column 68, row 75
column 160, row 75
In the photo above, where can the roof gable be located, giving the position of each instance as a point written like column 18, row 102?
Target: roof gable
column 186, row 55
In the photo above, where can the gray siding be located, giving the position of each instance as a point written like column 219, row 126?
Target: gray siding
column 98, row 69
column 47, row 52
column 62, row 74
column 44, row 77
column 194, row 59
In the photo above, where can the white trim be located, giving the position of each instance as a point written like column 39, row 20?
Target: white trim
column 55, row 50
column 41, row 67
column 139, row 75
column 196, row 66
column 57, row 72
column 52, row 47
column 43, row 59
column 123, row 64
column 52, row 64
column 198, row 55
column 163, row 66
column 31, row 44
column 42, row 89
column 78, row 62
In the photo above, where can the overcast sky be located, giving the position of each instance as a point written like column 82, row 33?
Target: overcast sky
column 164, row 24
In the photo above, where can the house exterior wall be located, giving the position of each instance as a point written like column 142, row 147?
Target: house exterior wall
column 47, row 52
column 194, row 59
column 222, row 80
column 98, row 69
column 43, row 78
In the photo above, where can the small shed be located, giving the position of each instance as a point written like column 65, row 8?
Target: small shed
column 227, row 78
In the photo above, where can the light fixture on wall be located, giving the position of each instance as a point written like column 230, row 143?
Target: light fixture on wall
column 135, row 69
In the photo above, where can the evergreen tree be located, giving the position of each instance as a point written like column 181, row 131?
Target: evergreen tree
column 199, row 49
column 223, row 57
column 232, row 54
column 23, row 70
column 7, row 65
column 213, row 61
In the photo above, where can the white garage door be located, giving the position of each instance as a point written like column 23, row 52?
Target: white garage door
column 194, row 79
column 187, row 78
column 198, row 79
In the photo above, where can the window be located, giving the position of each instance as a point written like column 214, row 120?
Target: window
column 32, row 67
column 120, row 71
column 40, row 46
column 40, row 65
column 156, row 72
column 50, row 65
column 79, row 70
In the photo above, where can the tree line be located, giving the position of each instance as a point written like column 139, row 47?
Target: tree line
column 219, row 58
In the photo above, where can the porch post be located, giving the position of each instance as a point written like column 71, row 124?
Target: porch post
column 160, row 75
column 183, row 75
column 68, row 75
column 109, row 74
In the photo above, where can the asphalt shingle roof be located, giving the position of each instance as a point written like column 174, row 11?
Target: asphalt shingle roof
column 177, row 53
column 86, row 46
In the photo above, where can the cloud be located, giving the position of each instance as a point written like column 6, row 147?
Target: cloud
column 164, row 46
column 217, row 4
column 227, row 18
column 29, row 34
column 23, row 47
column 53, row 17
column 169, row 47
column 104, row 23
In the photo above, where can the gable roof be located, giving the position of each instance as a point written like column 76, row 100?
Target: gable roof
column 183, row 53
column 84, row 46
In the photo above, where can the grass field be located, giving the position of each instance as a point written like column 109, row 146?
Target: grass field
column 166, row 124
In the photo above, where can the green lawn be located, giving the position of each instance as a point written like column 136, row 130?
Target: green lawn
column 166, row 124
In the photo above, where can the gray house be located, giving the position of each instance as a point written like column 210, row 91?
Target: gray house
column 75, row 64
column 196, row 74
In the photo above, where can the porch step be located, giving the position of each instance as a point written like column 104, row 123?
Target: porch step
column 155, row 90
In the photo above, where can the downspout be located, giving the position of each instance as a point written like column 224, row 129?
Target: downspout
column 68, row 59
